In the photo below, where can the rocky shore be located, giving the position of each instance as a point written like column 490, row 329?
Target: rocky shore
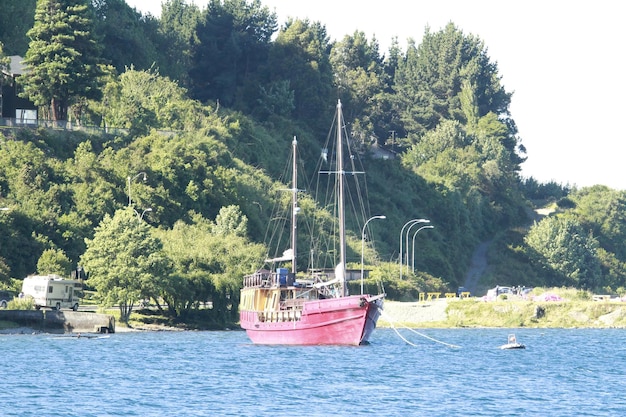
column 118, row 329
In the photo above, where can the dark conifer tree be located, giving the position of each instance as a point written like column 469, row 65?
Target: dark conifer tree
column 63, row 56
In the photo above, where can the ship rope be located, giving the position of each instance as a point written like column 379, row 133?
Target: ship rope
column 395, row 329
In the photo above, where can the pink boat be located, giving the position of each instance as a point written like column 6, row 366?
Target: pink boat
column 279, row 308
column 295, row 315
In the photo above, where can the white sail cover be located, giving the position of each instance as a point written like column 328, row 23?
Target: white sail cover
column 340, row 272
column 339, row 275
column 287, row 256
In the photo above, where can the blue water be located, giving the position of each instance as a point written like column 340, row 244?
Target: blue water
column 561, row 373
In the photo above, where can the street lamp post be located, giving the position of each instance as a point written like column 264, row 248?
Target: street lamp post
column 363, row 245
column 415, row 234
column 140, row 217
column 406, row 249
column 410, row 222
column 130, row 179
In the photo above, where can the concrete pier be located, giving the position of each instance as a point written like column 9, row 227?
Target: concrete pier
column 61, row 321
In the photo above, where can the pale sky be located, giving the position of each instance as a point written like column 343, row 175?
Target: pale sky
column 561, row 59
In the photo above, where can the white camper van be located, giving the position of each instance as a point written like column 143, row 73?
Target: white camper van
column 52, row 291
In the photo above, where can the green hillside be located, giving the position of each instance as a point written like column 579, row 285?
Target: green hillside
column 155, row 166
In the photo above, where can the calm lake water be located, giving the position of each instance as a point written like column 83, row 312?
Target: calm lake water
column 560, row 373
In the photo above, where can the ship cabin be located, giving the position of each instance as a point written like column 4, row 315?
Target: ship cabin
column 280, row 296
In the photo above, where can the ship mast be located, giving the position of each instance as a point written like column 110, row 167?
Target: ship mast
column 294, row 206
column 340, row 178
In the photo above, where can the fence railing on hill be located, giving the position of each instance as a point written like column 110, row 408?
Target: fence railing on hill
column 57, row 125
column 10, row 122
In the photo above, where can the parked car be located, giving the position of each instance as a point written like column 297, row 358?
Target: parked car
column 461, row 290
column 498, row 290
column 5, row 297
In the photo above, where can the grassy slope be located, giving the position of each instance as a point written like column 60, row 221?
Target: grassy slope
column 477, row 313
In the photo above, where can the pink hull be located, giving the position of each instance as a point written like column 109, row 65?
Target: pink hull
column 335, row 321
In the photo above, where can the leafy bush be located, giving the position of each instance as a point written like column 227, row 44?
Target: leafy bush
column 25, row 303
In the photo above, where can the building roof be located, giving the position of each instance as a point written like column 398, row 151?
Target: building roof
column 16, row 66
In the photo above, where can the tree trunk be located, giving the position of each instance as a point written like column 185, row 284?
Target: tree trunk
column 59, row 109
column 125, row 310
column 53, row 107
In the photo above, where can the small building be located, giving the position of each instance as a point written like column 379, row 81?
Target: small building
column 327, row 274
column 13, row 108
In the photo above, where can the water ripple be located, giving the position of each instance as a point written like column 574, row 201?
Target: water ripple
column 561, row 373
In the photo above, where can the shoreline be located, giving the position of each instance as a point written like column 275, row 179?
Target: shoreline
column 20, row 330
column 476, row 312
column 441, row 313
column 23, row 330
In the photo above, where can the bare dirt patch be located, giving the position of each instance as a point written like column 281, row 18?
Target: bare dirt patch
column 414, row 313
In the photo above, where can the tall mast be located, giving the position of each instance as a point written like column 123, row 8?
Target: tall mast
column 340, row 191
column 294, row 206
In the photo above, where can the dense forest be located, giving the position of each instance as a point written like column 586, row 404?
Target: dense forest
column 181, row 125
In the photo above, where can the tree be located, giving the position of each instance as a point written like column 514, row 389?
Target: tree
column 129, row 38
column 15, row 20
column 230, row 221
column 54, row 261
column 603, row 211
column 301, row 54
column 233, row 39
column 5, row 62
column 63, row 56
column 209, row 261
column 360, row 79
column 125, row 262
column 459, row 133
column 143, row 100
column 276, row 98
column 5, row 272
column 444, row 155
column 566, row 252
column 30, row 177
column 431, row 77
column 178, row 26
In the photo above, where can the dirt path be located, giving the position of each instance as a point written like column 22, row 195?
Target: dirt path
column 477, row 266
